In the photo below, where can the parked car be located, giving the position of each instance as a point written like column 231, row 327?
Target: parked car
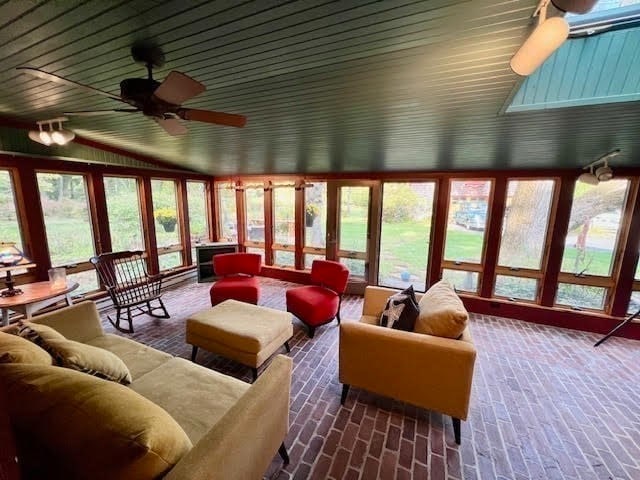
column 471, row 218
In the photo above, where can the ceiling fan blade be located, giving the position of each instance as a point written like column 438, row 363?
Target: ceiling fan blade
column 95, row 113
column 220, row 118
column 56, row 79
column 177, row 88
column 172, row 126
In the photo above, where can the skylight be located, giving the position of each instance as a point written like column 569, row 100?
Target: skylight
column 606, row 15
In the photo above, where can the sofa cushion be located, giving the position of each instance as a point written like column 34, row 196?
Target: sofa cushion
column 15, row 349
column 442, row 313
column 401, row 311
column 95, row 361
column 138, row 358
column 39, row 334
column 196, row 397
column 75, row 355
column 95, row 428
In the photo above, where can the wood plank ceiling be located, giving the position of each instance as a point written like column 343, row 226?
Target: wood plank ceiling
column 353, row 86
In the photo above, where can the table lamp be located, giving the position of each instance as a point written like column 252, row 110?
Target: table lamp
column 11, row 258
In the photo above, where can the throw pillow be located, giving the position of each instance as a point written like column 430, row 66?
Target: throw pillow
column 14, row 349
column 67, row 353
column 442, row 313
column 92, row 428
column 401, row 311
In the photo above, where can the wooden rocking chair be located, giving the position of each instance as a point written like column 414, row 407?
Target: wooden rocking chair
column 130, row 287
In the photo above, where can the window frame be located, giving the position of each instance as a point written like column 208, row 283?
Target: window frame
column 462, row 265
column 180, row 217
column 610, row 282
column 276, row 246
column 538, row 274
column 82, row 266
column 429, row 241
column 207, row 214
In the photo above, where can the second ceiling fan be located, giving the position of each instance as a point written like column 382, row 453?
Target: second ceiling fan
column 161, row 101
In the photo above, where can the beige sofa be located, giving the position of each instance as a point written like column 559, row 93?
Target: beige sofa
column 234, row 429
column 430, row 372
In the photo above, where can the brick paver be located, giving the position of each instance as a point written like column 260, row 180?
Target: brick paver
column 545, row 403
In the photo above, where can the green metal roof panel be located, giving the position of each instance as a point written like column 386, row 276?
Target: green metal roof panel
column 592, row 70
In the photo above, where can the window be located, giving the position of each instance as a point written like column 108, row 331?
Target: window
column 523, row 242
column 123, row 209
column 9, row 225
column 227, row 213
column 465, row 235
column 407, row 209
column 284, row 235
column 68, row 225
column 198, row 215
column 165, row 214
column 315, row 223
column 254, row 201
column 591, row 244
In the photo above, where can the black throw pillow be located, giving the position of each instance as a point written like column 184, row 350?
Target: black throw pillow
column 401, row 311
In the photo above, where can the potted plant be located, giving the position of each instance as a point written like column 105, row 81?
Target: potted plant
column 311, row 212
column 167, row 218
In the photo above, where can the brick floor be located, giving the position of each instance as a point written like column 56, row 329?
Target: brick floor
column 545, row 404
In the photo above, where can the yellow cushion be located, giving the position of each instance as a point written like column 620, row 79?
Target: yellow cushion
column 75, row 355
column 14, row 349
column 94, row 428
column 442, row 313
column 92, row 360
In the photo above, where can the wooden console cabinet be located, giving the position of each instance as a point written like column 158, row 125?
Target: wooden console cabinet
column 204, row 258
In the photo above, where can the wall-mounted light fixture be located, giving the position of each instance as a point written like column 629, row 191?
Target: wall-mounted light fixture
column 545, row 39
column 48, row 134
column 601, row 174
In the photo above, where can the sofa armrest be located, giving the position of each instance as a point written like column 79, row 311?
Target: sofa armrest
column 375, row 299
column 243, row 443
column 430, row 372
column 79, row 322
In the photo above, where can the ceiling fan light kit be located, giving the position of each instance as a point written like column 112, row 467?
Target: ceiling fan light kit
column 546, row 38
column 603, row 173
column 51, row 136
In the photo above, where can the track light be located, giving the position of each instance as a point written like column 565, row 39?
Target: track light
column 545, row 39
column 50, row 136
column 602, row 173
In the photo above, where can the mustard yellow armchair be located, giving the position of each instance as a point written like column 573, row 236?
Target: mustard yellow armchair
column 430, row 372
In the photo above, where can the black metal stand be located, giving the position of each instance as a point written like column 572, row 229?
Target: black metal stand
column 618, row 327
column 10, row 291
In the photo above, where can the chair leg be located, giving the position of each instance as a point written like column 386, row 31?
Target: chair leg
column 345, row 392
column 194, row 352
column 286, row 345
column 283, row 453
column 456, row 429
column 338, row 316
column 312, row 331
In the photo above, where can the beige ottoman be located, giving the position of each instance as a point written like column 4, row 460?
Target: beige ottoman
column 246, row 333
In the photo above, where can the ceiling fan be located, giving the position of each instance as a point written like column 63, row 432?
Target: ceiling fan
column 159, row 100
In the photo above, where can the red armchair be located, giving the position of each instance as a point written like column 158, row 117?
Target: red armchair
column 238, row 282
column 319, row 303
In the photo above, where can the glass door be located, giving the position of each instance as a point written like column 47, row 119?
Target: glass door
column 349, row 240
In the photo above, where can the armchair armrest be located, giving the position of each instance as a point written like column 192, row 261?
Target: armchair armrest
column 430, row 372
column 243, row 443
